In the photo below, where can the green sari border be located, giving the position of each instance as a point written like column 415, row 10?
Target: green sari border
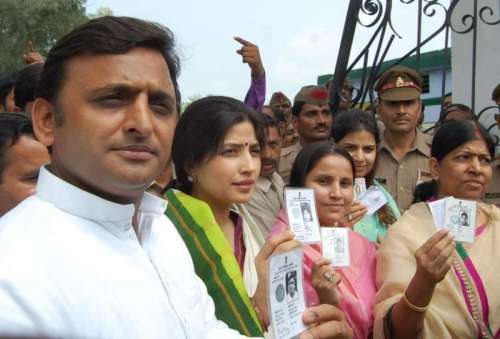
column 197, row 240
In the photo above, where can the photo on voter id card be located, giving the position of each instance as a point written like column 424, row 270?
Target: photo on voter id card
column 460, row 219
column 335, row 245
column 373, row 198
column 286, row 294
column 359, row 187
column 302, row 216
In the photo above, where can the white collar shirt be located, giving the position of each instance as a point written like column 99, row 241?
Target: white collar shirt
column 71, row 265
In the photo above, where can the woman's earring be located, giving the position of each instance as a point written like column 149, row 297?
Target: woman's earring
column 190, row 178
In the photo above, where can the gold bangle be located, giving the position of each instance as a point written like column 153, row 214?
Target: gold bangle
column 414, row 307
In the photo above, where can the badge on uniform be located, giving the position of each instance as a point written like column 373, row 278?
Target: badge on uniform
column 302, row 215
column 456, row 215
column 286, row 301
column 335, row 245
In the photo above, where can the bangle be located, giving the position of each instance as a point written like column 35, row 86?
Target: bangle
column 259, row 315
column 414, row 307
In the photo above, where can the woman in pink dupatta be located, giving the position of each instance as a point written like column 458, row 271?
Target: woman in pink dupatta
column 330, row 172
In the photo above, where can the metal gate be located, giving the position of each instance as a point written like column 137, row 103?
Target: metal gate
column 376, row 15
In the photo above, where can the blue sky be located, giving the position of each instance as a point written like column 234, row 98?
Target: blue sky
column 298, row 40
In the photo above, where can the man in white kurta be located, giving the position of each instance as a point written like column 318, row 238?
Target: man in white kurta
column 90, row 255
column 71, row 265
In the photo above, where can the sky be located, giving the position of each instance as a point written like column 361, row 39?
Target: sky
column 298, row 40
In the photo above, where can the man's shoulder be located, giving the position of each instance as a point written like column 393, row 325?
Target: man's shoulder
column 291, row 150
column 25, row 213
column 423, row 143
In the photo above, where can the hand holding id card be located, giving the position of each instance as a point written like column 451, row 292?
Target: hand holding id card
column 373, row 198
column 335, row 245
column 302, row 216
column 359, row 187
column 456, row 215
column 286, row 294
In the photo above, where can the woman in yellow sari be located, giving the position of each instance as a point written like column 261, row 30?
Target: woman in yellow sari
column 429, row 285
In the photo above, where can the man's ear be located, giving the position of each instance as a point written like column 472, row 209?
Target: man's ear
column 295, row 121
column 44, row 121
column 434, row 168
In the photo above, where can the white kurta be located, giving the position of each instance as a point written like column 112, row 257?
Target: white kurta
column 71, row 265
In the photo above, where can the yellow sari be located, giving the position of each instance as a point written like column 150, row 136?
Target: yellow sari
column 466, row 304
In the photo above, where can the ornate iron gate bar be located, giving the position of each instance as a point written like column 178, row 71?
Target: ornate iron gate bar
column 380, row 14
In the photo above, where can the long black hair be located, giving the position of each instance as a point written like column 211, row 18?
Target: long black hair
column 201, row 131
column 353, row 121
column 309, row 157
column 449, row 137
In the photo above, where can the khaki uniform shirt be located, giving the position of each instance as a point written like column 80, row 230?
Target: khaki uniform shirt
column 288, row 155
column 266, row 201
column 400, row 176
column 493, row 190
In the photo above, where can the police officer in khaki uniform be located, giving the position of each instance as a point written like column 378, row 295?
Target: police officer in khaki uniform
column 403, row 159
column 312, row 119
column 267, row 199
column 281, row 106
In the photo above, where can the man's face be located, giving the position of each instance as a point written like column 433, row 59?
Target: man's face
column 119, row 116
column 282, row 110
column 23, row 160
column 314, row 122
column 270, row 154
column 282, row 106
column 400, row 116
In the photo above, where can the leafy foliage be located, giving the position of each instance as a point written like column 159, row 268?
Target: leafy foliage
column 39, row 21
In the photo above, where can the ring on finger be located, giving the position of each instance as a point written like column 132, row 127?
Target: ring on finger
column 328, row 276
column 349, row 217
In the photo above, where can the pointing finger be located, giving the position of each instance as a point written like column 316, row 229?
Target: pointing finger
column 243, row 41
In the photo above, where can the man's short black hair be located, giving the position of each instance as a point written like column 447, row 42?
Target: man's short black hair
column 107, row 35
column 6, row 84
column 12, row 127
column 26, row 84
column 296, row 108
column 268, row 122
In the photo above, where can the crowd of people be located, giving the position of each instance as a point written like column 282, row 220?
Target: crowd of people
column 121, row 217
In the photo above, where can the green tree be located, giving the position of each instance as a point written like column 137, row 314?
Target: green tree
column 101, row 11
column 39, row 21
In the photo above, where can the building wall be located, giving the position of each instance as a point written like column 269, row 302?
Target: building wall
column 487, row 64
column 435, row 83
